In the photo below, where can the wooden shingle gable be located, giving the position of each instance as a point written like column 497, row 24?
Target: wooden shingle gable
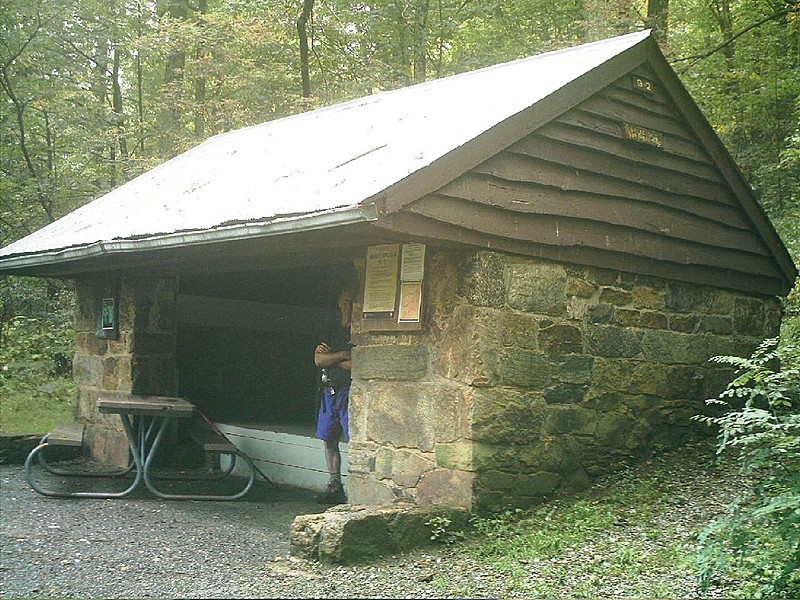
column 620, row 180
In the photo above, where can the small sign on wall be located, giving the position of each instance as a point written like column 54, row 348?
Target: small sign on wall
column 107, row 308
column 380, row 285
column 412, row 272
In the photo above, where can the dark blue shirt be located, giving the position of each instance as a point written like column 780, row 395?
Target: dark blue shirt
column 338, row 338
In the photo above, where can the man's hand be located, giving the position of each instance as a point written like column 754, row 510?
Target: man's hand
column 324, row 357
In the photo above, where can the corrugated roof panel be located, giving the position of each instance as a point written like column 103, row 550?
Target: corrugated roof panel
column 318, row 161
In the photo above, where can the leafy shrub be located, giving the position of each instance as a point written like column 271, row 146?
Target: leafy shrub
column 759, row 534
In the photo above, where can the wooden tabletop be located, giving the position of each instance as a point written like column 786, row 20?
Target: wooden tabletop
column 146, row 405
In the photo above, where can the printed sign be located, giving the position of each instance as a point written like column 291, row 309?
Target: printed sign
column 412, row 267
column 380, row 287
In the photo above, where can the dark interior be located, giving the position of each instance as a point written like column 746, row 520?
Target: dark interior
column 248, row 372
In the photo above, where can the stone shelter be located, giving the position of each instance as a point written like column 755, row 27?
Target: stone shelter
column 547, row 251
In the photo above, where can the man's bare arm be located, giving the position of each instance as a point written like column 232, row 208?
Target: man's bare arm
column 324, row 357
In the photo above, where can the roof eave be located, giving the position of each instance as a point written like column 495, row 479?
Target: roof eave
column 24, row 264
column 727, row 166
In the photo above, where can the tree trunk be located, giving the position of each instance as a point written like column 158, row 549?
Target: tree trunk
column 302, row 35
column 139, row 78
column 19, row 109
column 169, row 119
column 200, row 83
column 119, row 117
column 658, row 18
column 722, row 13
column 420, row 40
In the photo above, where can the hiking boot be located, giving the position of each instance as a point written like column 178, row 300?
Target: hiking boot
column 332, row 494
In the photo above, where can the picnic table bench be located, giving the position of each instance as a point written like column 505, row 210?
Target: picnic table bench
column 145, row 420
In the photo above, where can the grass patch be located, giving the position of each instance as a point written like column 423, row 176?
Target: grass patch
column 632, row 534
column 35, row 405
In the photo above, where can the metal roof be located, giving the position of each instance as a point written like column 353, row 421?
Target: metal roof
column 317, row 169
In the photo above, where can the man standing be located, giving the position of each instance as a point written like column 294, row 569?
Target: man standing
column 332, row 355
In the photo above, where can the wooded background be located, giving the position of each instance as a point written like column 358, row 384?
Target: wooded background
column 95, row 92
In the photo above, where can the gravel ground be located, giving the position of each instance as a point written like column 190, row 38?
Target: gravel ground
column 142, row 547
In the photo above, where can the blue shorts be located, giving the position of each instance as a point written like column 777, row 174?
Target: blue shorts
column 332, row 422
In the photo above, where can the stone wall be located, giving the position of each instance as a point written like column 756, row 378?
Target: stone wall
column 530, row 377
column 140, row 360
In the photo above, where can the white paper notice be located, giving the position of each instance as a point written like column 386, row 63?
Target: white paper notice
column 412, row 267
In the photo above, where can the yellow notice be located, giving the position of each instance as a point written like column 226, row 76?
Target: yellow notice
column 410, row 301
column 380, row 287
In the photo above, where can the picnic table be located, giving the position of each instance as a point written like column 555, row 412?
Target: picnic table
column 145, row 420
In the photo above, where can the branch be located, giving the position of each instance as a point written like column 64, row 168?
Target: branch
column 750, row 27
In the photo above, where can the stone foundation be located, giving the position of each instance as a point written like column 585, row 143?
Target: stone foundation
column 530, row 377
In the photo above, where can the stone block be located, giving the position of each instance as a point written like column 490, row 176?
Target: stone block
column 579, row 287
column 642, row 319
column 446, row 487
column 616, row 430
column 648, row 297
column 506, row 416
column 628, row 377
column 107, row 446
column 602, row 401
column 716, row 325
column 412, row 415
column 572, row 368
column 88, row 370
column 482, row 279
column 612, row 341
column 716, row 380
column 570, row 419
column 525, row 369
column 674, row 348
column 407, row 467
column 509, row 329
column 454, row 455
column 565, row 393
column 111, row 372
column 537, row 484
column 687, row 297
column 363, row 489
column 85, row 404
column 468, row 351
column 684, row 323
column 89, row 343
column 773, row 323
column 602, row 313
column 749, row 317
column 537, row 288
column 382, row 462
column 561, row 339
column 84, row 317
column 361, row 457
column 393, row 362
column 496, row 480
column 615, row 296
column 557, row 454
column 720, row 302
column 683, row 382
